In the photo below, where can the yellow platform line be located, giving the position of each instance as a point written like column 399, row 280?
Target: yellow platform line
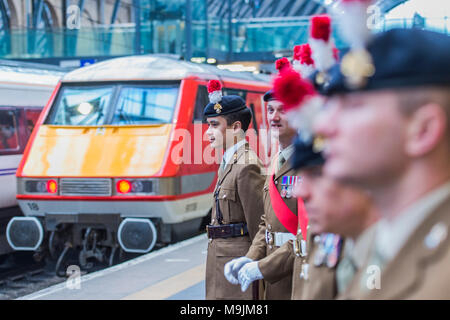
column 166, row 288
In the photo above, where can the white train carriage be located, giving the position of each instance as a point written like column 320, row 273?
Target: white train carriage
column 25, row 89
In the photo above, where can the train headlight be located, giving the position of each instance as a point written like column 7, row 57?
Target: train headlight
column 37, row 186
column 52, row 186
column 137, row 186
column 123, row 186
column 41, row 186
column 133, row 187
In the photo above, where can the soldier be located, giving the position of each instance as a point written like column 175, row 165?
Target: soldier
column 279, row 221
column 387, row 128
column 237, row 203
column 336, row 212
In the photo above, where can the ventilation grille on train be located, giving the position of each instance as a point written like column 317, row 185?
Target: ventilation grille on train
column 85, row 187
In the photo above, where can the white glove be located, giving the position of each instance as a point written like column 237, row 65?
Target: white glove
column 249, row 273
column 232, row 268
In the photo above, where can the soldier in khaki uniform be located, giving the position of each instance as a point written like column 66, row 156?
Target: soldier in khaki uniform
column 237, row 202
column 260, row 262
column 389, row 132
column 336, row 212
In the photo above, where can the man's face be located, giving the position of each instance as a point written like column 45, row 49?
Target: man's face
column 365, row 135
column 332, row 207
column 278, row 120
column 220, row 135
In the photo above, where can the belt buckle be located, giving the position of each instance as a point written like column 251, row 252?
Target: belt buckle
column 269, row 238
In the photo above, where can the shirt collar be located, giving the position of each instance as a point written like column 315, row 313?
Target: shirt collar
column 288, row 151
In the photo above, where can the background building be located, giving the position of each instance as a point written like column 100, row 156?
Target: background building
column 76, row 32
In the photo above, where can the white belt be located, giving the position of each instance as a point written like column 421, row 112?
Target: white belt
column 278, row 238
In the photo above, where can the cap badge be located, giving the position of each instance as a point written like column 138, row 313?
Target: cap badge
column 357, row 67
column 318, row 144
column 321, row 78
column 218, row 107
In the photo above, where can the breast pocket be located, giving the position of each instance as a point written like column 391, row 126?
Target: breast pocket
column 228, row 205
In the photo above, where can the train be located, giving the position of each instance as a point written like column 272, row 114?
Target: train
column 119, row 160
column 25, row 88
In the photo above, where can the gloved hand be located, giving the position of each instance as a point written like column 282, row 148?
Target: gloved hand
column 232, row 268
column 249, row 273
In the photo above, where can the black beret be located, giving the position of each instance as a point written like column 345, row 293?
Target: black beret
column 402, row 58
column 268, row 96
column 228, row 104
column 306, row 154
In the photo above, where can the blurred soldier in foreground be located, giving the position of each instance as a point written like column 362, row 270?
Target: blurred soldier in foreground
column 237, row 203
column 340, row 217
column 387, row 128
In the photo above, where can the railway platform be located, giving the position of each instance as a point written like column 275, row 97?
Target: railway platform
column 176, row 272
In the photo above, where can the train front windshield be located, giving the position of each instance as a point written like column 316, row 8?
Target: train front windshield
column 114, row 105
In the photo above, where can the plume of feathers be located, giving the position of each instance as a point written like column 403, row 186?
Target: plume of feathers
column 302, row 60
column 282, row 64
column 321, row 42
column 352, row 18
column 214, row 91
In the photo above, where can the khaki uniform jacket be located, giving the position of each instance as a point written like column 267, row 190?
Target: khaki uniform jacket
column 321, row 280
column 240, row 200
column 420, row 270
column 276, row 268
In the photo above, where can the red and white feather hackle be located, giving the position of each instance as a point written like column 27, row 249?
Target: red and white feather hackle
column 352, row 19
column 282, row 64
column 214, row 91
column 303, row 61
column 321, row 42
column 300, row 101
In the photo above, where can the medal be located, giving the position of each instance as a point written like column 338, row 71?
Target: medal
column 289, row 191
column 304, row 272
column 283, row 192
column 319, row 256
column 333, row 256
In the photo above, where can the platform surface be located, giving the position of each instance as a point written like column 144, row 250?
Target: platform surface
column 174, row 272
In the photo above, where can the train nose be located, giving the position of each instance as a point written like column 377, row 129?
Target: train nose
column 24, row 233
column 137, row 235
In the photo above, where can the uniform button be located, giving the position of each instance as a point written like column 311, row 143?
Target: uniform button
column 276, row 182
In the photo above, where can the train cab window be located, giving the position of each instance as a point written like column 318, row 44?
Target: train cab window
column 81, row 106
column 201, row 101
column 8, row 130
column 145, row 105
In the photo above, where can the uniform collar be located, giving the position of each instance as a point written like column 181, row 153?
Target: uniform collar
column 391, row 235
column 231, row 150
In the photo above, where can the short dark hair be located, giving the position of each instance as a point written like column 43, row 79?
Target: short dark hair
column 244, row 117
